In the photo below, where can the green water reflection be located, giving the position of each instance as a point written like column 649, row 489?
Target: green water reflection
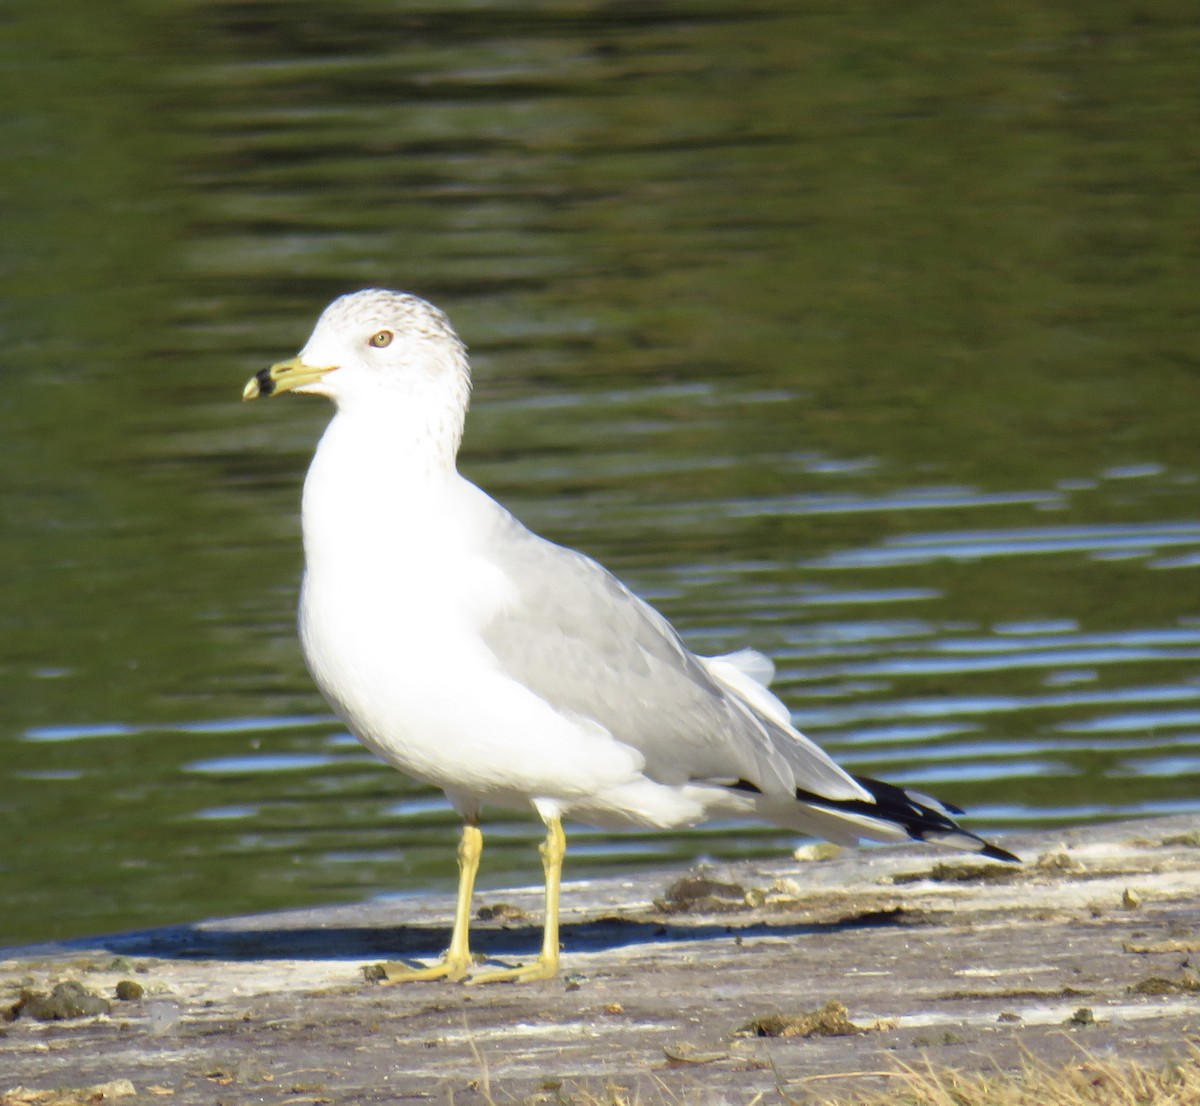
column 864, row 336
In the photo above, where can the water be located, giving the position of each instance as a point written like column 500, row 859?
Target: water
column 862, row 337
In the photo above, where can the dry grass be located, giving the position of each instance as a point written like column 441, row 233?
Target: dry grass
column 1091, row 1082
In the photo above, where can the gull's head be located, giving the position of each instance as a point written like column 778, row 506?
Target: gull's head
column 371, row 350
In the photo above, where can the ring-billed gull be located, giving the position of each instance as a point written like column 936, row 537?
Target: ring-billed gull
column 508, row 671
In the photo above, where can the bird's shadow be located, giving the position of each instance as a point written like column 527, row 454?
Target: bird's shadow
column 211, row 941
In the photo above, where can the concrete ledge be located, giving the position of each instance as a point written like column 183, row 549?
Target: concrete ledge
column 1091, row 944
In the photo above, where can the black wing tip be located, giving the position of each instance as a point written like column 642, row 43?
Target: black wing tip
column 924, row 818
column 964, row 840
column 994, row 852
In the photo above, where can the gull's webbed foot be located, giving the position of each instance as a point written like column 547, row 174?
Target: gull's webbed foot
column 453, row 968
column 542, row 968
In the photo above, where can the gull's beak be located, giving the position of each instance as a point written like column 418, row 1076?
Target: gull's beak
column 286, row 376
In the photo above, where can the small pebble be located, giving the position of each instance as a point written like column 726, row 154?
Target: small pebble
column 129, row 989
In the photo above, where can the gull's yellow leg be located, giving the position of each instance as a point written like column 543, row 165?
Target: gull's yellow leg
column 457, row 961
column 553, row 849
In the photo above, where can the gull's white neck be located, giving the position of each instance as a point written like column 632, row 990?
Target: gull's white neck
column 377, row 478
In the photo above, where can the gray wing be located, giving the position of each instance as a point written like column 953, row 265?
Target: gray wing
column 578, row 638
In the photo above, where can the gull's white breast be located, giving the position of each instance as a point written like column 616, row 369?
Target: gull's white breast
column 397, row 589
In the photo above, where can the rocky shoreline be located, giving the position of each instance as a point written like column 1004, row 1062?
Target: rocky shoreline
column 754, row 979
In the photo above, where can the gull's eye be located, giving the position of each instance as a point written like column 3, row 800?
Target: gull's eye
column 383, row 338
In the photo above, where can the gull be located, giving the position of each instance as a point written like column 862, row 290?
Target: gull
column 510, row 672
